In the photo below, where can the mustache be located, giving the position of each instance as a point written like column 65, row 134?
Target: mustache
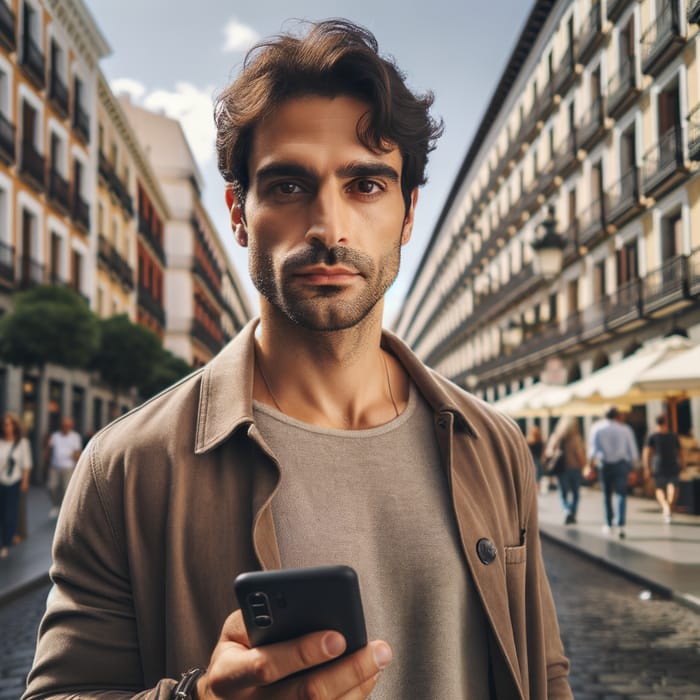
column 336, row 255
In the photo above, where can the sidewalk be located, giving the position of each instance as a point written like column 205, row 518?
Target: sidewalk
column 665, row 558
column 662, row 557
column 27, row 565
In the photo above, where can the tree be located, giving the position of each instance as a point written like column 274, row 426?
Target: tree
column 169, row 368
column 128, row 354
column 48, row 325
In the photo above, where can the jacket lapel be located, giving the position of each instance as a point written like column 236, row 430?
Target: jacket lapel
column 470, row 495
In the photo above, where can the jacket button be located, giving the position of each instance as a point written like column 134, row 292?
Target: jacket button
column 486, row 550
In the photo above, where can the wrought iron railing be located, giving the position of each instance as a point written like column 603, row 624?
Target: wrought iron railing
column 624, row 193
column 7, row 27
column 659, row 34
column 33, row 60
column 663, row 158
column 32, row 164
column 622, row 83
column 58, row 91
column 7, row 139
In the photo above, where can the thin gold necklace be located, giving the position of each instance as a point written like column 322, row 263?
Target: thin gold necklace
column 279, row 408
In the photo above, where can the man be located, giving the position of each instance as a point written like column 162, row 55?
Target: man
column 313, row 438
column 63, row 450
column 614, row 448
column 661, row 457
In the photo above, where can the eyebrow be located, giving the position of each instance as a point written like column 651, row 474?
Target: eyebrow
column 349, row 170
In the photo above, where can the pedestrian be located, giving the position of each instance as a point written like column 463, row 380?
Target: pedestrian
column 661, row 457
column 312, row 438
column 536, row 445
column 64, row 448
column 614, row 449
column 567, row 439
column 15, row 468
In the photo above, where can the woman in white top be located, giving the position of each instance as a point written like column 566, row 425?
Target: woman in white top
column 15, row 466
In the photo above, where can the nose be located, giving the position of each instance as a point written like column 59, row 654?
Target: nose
column 327, row 220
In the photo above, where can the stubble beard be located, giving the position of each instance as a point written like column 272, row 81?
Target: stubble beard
column 323, row 309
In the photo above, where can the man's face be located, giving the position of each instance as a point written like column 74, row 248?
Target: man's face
column 67, row 425
column 324, row 216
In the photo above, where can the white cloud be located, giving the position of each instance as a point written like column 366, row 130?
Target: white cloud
column 238, row 37
column 127, row 86
column 192, row 107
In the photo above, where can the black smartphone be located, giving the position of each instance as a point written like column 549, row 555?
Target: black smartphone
column 287, row 603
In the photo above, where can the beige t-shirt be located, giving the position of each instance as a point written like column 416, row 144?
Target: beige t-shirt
column 378, row 500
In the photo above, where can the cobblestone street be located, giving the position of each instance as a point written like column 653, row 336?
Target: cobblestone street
column 620, row 645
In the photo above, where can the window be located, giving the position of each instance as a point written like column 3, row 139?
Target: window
column 56, row 255
column 671, row 236
column 77, row 268
column 599, row 285
column 626, row 262
column 100, row 218
column 4, row 93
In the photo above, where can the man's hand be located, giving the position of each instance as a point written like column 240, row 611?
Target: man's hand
column 237, row 671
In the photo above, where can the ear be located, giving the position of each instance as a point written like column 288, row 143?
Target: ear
column 236, row 214
column 408, row 220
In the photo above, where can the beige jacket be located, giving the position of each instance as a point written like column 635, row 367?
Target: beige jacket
column 171, row 501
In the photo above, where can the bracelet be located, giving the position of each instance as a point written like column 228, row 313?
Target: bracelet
column 187, row 685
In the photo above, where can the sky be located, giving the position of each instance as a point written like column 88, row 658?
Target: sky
column 176, row 55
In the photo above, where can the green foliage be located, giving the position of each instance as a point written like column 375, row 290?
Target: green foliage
column 128, row 353
column 169, row 369
column 49, row 325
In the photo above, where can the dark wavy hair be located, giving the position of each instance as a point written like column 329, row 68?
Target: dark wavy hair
column 335, row 57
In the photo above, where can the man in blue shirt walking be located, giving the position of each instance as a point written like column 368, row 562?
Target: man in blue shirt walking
column 614, row 448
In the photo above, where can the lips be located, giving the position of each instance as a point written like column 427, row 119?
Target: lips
column 323, row 274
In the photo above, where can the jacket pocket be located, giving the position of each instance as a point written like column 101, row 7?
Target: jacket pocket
column 516, row 559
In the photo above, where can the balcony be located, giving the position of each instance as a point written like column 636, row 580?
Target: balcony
column 7, row 141
column 617, row 7
column 201, row 333
column 151, row 305
column 108, row 256
column 58, row 93
column 81, row 122
column 623, row 88
column 7, row 265
column 32, row 61
column 665, row 289
column 694, row 132
column 31, row 272
column 59, row 191
column 662, row 40
column 591, row 224
column 199, row 269
column 116, row 186
column 625, row 306
column 7, row 27
column 32, row 166
column 565, row 160
column 694, row 273
column 591, row 35
column 624, row 198
column 694, row 12
column 547, row 100
column 592, row 125
column 146, row 230
column 593, row 320
column 663, row 163
column 529, row 127
column 566, row 73
column 81, row 212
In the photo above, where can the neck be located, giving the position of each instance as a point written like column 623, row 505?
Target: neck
column 337, row 379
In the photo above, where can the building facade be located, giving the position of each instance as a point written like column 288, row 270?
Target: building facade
column 199, row 318
column 82, row 205
column 595, row 119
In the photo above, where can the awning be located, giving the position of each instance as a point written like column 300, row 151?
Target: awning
column 678, row 375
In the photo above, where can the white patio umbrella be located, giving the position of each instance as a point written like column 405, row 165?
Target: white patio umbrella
column 617, row 383
column 676, row 376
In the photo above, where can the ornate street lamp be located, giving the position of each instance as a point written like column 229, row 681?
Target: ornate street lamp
column 549, row 248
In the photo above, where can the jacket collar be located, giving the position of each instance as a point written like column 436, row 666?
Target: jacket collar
column 226, row 393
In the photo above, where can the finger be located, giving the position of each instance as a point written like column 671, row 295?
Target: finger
column 234, row 629
column 351, row 674
column 362, row 691
column 262, row 666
